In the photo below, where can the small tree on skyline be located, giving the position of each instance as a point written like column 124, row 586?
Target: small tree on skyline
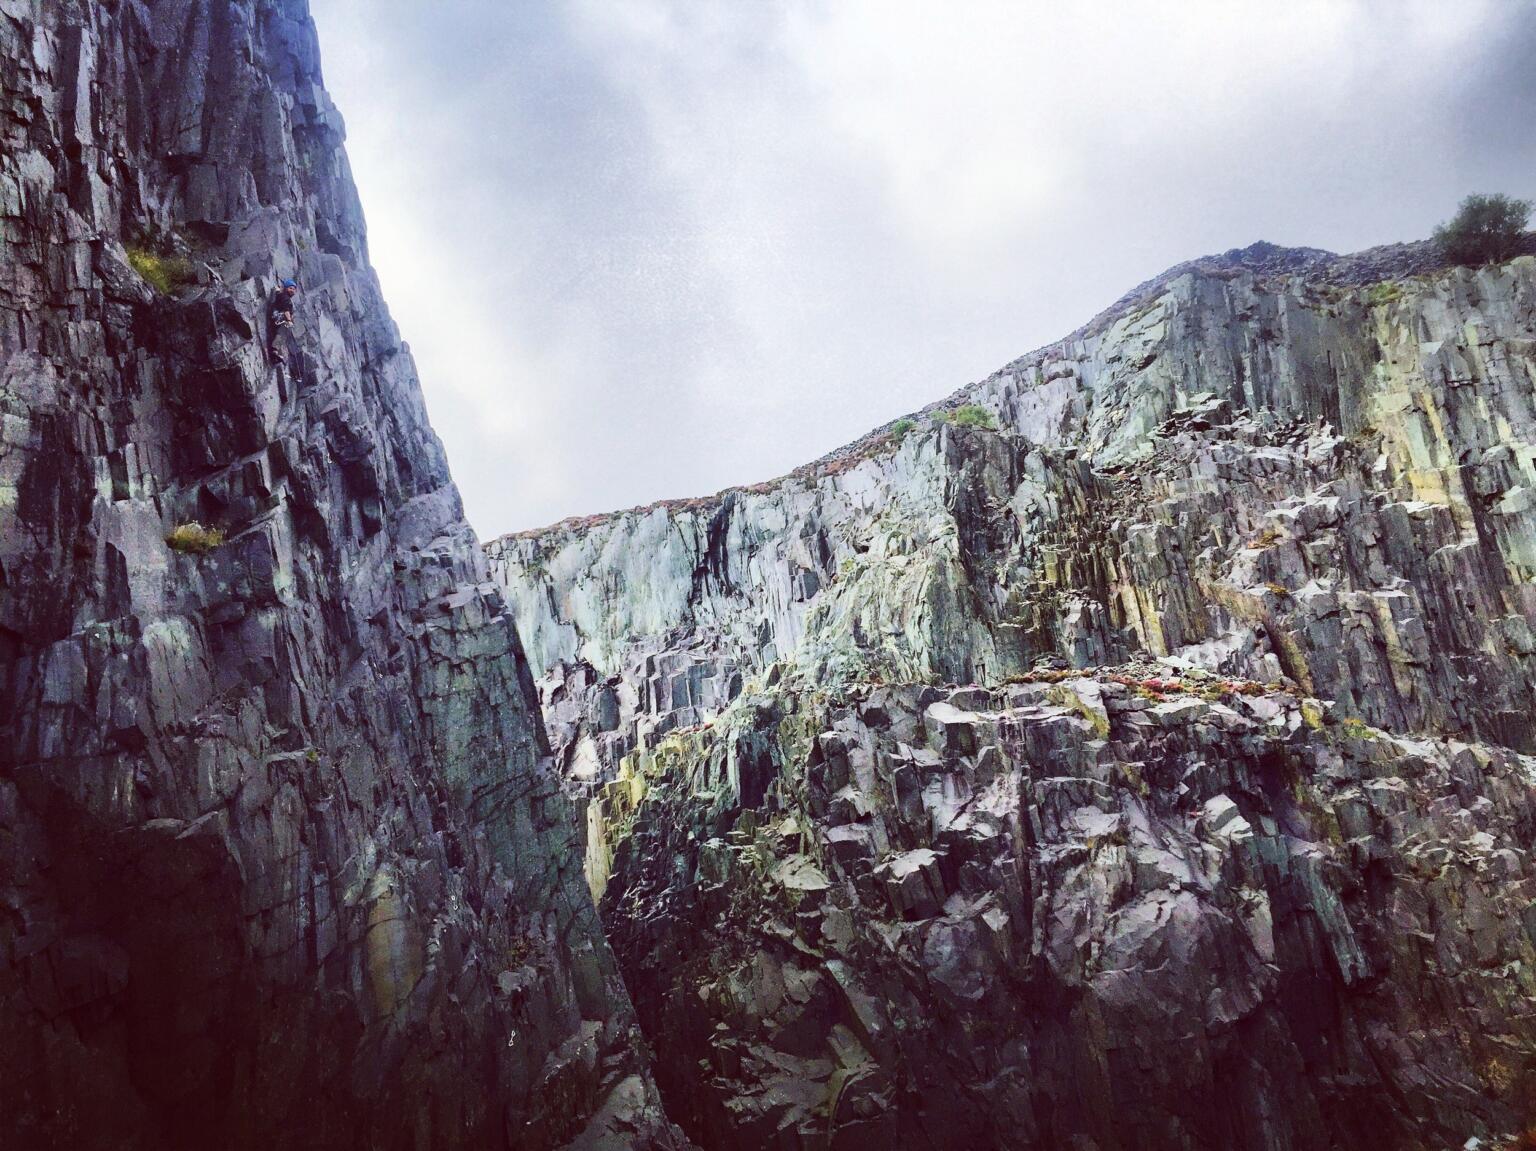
column 1485, row 230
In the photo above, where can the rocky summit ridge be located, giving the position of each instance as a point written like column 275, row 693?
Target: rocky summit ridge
column 1131, row 750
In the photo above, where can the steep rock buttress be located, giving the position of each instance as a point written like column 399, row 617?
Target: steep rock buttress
column 281, row 860
column 1131, row 751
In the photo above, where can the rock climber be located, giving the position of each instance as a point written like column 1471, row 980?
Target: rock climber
column 282, row 316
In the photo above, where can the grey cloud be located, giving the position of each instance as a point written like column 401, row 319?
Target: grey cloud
column 671, row 247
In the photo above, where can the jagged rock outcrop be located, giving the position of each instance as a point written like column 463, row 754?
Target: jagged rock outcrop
column 1082, row 913
column 282, row 861
column 1334, row 484
column 1305, row 476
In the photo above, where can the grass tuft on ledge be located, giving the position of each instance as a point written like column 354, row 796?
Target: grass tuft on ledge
column 969, row 416
column 194, row 539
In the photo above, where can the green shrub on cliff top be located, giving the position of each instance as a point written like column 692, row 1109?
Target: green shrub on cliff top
column 1485, row 230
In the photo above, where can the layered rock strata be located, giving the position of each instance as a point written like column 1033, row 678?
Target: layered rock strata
column 1077, row 912
column 1263, row 473
column 1311, row 477
column 282, row 861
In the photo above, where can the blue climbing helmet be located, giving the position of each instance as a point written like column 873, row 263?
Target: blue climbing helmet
column 294, row 284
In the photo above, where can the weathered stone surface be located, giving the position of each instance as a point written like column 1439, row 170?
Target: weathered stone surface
column 1228, row 845
column 1220, row 921
column 1225, row 845
column 282, row 862
column 1263, row 473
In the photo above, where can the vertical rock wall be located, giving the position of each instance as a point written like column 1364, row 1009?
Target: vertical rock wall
column 1095, row 910
column 1228, row 846
column 1258, row 464
column 281, row 860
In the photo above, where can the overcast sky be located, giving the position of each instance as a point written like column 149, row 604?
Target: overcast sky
column 647, row 249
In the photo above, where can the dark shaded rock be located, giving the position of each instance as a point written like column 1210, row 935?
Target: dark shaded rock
column 282, row 859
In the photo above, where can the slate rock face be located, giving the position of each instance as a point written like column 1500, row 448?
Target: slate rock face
column 1262, row 472
column 282, row 861
column 1284, row 905
column 985, row 919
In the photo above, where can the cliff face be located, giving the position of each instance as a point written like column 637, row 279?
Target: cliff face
column 1224, row 845
column 282, row 862
column 1268, row 463
column 1228, row 847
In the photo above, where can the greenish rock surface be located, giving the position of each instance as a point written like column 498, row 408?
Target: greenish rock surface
column 1226, row 843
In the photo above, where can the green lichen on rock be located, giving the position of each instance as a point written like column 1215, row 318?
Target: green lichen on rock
column 194, row 538
column 167, row 274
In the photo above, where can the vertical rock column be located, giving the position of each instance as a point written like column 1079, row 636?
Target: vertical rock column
column 281, row 861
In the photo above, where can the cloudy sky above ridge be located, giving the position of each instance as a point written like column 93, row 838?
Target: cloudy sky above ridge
column 645, row 249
